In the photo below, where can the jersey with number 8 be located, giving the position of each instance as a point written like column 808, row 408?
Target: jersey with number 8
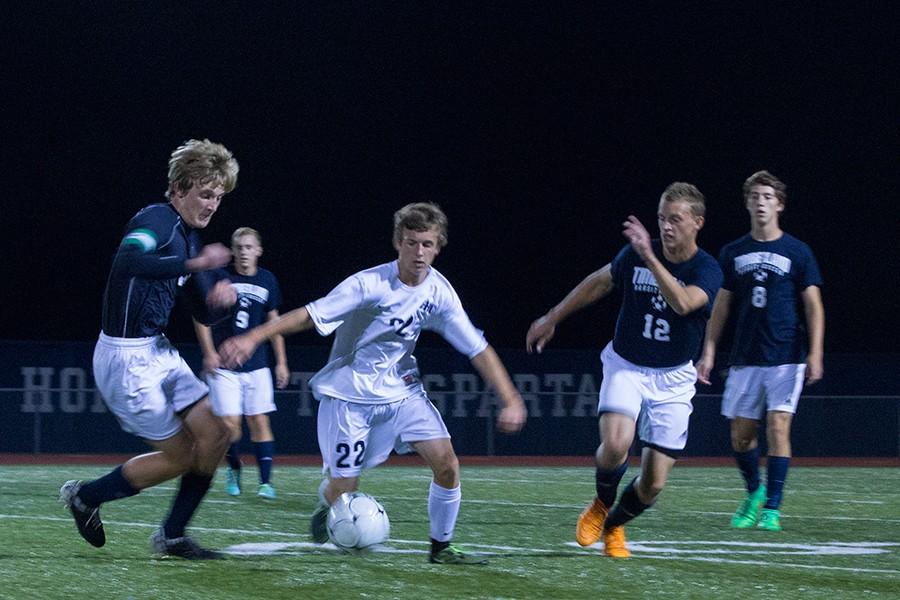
column 766, row 279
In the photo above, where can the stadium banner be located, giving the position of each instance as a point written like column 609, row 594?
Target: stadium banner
column 48, row 403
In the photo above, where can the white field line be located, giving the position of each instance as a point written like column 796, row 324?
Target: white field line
column 641, row 549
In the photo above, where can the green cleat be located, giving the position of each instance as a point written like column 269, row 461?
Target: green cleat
column 232, row 482
column 318, row 525
column 747, row 513
column 451, row 555
column 266, row 491
column 770, row 519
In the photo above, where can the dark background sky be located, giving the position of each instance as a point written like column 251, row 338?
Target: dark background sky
column 537, row 126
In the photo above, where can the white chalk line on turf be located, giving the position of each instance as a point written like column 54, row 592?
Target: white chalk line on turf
column 642, row 549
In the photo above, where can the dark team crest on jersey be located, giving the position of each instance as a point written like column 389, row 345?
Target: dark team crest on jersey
column 403, row 327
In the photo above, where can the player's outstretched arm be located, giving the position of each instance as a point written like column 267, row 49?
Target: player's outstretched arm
column 815, row 324
column 592, row 288
column 513, row 413
column 236, row 350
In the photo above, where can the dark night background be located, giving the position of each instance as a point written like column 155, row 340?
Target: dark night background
column 537, row 126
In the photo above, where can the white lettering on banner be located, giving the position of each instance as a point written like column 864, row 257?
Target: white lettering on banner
column 574, row 395
column 456, row 395
column 73, row 388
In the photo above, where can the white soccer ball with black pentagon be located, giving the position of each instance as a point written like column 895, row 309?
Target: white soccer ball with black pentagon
column 357, row 521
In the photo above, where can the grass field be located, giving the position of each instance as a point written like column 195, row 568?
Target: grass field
column 841, row 540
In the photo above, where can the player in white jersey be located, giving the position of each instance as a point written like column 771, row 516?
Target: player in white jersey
column 648, row 375
column 370, row 393
column 769, row 276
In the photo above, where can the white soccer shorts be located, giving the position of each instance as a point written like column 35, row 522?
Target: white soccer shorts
column 236, row 393
column 354, row 436
column 659, row 400
column 749, row 390
column 145, row 382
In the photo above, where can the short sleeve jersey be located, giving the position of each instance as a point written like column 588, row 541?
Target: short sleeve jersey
column 147, row 272
column 648, row 332
column 257, row 295
column 377, row 320
column 767, row 280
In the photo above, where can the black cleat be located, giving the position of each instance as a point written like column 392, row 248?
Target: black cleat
column 86, row 518
column 318, row 525
column 182, row 547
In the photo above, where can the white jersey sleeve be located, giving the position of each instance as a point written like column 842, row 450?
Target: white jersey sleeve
column 329, row 312
column 454, row 325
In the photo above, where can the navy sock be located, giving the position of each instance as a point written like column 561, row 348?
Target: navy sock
column 608, row 483
column 191, row 490
column 264, row 451
column 776, row 474
column 111, row 486
column 748, row 465
column 233, row 456
column 628, row 507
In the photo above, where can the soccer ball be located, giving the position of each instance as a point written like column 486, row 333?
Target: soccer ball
column 357, row 521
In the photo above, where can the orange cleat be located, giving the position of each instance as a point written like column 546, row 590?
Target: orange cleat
column 614, row 542
column 590, row 523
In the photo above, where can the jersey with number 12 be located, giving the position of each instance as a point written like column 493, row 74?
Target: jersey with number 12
column 648, row 332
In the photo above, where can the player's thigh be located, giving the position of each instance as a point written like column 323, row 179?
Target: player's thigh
column 207, row 429
column 225, row 390
column 131, row 383
column 621, row 390
column 344, row 430
column 745, row 394
column 783, row 384
column 258, row 393
column 667, row 409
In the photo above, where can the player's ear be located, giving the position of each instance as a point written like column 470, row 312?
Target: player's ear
column 700, row 220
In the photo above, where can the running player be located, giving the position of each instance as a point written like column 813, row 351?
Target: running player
column 648, row 374
column 142, row 378
column 769, row 276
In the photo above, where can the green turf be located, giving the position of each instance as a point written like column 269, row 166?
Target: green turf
column 841, row 539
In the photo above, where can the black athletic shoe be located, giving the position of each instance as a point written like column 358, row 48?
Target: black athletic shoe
column 87, row 519
column 318, row 525
column 182, row 547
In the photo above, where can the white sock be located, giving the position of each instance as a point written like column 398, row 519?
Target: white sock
column 443, row 508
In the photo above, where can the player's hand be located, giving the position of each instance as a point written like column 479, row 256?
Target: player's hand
column 540, row 332
column 211, row 363
column 282, row 376
column 512, row 416
column 704, row 367
column 212, row 256
column 236, row 351
column 638, row 236
column 222, row 295
column 814, row 369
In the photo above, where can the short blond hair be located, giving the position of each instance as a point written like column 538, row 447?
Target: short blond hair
column 421, row 216
column 686, row 192
column 201, row 162
column 242, row 231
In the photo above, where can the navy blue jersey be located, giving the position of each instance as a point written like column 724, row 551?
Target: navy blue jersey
column 257, row 296
column 648, row 332
column 767, row 280
column 147, row 272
